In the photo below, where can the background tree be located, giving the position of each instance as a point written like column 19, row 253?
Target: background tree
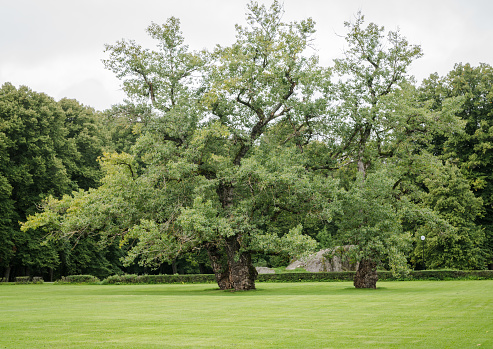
column 458, row 244
column 46, row 148
column 472, row 149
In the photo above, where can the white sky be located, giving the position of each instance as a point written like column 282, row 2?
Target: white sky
column 56, row 46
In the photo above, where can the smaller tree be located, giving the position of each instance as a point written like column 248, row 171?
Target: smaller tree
column 360, row 132
column 370, row 221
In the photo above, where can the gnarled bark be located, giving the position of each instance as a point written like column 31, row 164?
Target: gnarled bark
column 219, row 264
column 366, row 275
column 242, row 273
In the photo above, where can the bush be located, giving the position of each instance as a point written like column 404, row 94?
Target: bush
column 22, row 279
column 451, row 275
column 160, row 279
column 307, row 277
column 38, row 280
column 78, row 279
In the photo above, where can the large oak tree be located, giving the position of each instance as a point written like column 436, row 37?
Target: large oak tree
column 220, row 153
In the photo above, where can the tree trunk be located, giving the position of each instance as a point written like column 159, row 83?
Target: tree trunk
column 242, row 273
column 220, row 267
column 366, row 275
column 6, row 275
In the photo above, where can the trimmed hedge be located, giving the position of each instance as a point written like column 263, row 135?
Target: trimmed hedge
column 445, row 275
column 382, row 276
column 38, row 280
column 78, row 279
column 302, row 277
column 307, row 277
column 160, row 279
column 22, row 279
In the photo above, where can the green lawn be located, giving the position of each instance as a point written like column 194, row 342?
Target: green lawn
column 411, row 314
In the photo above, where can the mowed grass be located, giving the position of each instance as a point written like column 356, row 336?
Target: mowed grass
column 421, row 314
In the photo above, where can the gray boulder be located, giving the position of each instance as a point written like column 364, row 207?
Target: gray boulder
column 265, row 270
column 336, row 259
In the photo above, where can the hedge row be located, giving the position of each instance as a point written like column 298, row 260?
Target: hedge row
column 78, row 279
column 302, row 277
column 287, row 277
column 382, row 275
column 28, row 280
column 160, row 279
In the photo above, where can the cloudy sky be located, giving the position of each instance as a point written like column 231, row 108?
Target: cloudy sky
column 56, row 46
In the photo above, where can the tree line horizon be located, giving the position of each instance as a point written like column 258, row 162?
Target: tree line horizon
column 251, row 154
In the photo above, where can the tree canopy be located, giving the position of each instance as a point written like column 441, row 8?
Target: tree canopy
column 256, row 149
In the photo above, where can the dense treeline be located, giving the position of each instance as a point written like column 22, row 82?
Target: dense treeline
column 50, row 148
column 47, row 148
column 249, row 154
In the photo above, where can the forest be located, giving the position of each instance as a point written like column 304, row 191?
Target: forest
column 251, row 155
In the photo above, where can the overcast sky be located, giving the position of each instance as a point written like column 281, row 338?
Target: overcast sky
column 56, row 46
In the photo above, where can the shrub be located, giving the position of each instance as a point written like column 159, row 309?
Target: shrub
column 38, row 280
column 78, row 279
column 307, row 277
column 22, row 279
column 451, row 275
column 159, row 279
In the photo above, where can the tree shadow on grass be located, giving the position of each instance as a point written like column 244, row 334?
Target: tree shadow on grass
column 263, row 289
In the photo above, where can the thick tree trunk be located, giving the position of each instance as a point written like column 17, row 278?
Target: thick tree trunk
column 366, row 275
column 242, row 273
column 220, row 267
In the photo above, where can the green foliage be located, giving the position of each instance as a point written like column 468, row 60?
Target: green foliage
column 384, row 126
column 159, row 279
column 374, row 229
column 254, row 150
column 302, row 276
column 208, row 169
column 373, row 68
column 78, row 279
column 28, row 280
column 22, row 279
column 472, row 149
column 448, row 193
column 47, row 148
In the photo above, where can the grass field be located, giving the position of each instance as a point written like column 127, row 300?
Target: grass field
column 411, row 314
